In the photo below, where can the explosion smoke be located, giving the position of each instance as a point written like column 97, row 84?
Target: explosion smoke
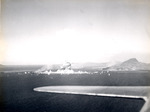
column 66, row 66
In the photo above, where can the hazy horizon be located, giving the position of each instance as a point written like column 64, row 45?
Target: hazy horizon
column 55, row 31
column 113, row 62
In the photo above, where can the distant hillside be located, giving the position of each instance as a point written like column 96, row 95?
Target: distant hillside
column 19, row 68
column 1, row 65
column 53, row 67
column 74, row 66
column 89, row 66
column 131, row 64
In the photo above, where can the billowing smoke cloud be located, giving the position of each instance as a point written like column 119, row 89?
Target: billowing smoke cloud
column 66, row 66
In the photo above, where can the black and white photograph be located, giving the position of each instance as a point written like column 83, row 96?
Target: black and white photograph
column 74, row 56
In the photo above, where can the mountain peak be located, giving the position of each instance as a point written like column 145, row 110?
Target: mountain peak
column 131, row 64
column 132, row 60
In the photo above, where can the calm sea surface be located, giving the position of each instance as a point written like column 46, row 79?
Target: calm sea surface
column 17, row 95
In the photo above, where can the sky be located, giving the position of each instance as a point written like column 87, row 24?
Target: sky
column 55, row 31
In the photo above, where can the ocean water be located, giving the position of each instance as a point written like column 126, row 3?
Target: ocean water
column 17, row 95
